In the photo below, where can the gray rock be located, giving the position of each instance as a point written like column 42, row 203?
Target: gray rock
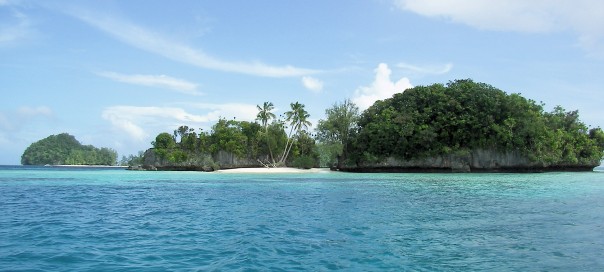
column 480, row 160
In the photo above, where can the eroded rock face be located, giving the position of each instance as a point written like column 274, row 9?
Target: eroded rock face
column 228, row 160
column 206, row 163
column 150, row 159
column 475, row 161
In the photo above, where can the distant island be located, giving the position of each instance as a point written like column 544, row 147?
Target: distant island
column 461, row 126
column 465, row 126
column 267, row 142
column 64, row 149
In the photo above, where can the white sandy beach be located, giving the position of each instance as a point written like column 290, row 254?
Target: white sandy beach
column 86, row 165
column 265, row 170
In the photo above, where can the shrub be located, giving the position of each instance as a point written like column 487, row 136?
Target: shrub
column 304, row 162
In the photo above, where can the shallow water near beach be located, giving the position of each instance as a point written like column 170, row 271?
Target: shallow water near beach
column 58, row 219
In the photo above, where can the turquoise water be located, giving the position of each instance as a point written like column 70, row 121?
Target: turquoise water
column 115, row 220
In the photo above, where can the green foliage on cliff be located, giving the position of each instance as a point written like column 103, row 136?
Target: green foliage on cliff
column 335, row 130
column 65, row 149
column 464, row 115
column 243, row 139
column 132, row 160
column 422, row 122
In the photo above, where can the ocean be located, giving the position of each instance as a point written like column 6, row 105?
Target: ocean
column 97, row 219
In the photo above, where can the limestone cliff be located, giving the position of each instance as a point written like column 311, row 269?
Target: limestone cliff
column 198, row 162
column 475, row 161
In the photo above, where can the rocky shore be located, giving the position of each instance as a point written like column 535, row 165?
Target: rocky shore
column 477, row 161
column 483, row 161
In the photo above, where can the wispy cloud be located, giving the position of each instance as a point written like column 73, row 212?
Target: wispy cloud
column 17, row 127
column 161, row 81
column 137, row 121
column 381, row 88
column 147, row 40
column 131, row 119
column 312, row 84
column 19, row 28
column 584, row 17
column 427, row 69
column 11, row 121
column 506, row 15
column 239, row 111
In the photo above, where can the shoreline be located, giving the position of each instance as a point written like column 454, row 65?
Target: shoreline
column 276, row 170
column 88, row 166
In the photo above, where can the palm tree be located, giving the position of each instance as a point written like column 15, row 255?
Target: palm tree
column 298, row 118
column 264, row 115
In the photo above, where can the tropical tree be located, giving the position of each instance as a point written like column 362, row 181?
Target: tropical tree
column 164, row 140
column 298, row 121
column 132, row 160
column 181, row 132
column 227, row 136
column 304, row 151
column 264, row 116
column 334, row 131
column 163, row 145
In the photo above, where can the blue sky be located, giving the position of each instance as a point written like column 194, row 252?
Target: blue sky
column 116, row 73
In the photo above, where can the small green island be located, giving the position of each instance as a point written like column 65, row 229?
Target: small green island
column 461, row 126
column 64, row 149
column 465, row 126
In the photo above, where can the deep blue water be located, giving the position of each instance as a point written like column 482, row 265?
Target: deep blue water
column 57, row 219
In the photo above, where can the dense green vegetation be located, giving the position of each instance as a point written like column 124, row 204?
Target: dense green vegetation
column 422, row 122
column 64, row 149
column 334, row 132
column 132, row 160
column 265, row 143
column 464, row 115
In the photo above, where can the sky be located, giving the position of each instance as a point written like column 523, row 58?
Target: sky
column 117, row 73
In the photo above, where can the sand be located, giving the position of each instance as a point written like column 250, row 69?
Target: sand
column 86, row 165
column 265, row 170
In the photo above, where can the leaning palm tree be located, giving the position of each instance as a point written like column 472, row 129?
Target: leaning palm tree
column 264, row 115
column 298, row 118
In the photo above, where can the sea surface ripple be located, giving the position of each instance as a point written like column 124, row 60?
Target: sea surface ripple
column 116, row 220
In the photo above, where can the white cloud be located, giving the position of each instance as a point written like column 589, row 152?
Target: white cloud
column 239, row 111
column 584, row 17
column 125, row 124
column 18, row 29
column 138, row 121
column 14, row 121
column 312, row 84
column 161, row 81
column 428, row 69
column 131, row 119
column 147, row 40
column 381, row 88
column 514, row 15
